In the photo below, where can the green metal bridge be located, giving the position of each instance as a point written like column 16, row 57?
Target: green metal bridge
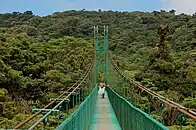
column 124, row 107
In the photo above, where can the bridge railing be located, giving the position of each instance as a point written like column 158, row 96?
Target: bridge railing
column 130, row 117
column 160, row 108
column 80, row 119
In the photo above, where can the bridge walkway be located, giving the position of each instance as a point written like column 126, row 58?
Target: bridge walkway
column 104, row 117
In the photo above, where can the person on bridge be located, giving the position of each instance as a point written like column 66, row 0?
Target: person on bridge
column 102, row 89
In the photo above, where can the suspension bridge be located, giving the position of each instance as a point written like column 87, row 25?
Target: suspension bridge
column 124, row 107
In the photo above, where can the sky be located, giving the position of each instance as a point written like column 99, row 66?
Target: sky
column 47, row 7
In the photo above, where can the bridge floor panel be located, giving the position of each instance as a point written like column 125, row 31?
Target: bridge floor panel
column 104, row 117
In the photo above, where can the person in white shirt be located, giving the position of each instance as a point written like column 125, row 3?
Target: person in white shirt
column 101, row 89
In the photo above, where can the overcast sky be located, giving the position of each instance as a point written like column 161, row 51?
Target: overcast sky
column 181, row 6
column 46, row 7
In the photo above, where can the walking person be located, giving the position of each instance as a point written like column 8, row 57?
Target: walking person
column 102, row 89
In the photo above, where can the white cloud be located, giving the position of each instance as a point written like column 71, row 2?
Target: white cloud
column 181, row 6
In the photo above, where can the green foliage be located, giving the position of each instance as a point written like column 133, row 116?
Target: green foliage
column 3, row 92
column 38, row 57
column 189, row 102
column 33, row 70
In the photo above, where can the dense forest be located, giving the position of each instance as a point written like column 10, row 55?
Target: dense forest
column 41, row 55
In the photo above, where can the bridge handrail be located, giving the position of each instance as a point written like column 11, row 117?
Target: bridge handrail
column 127, row 108
column 186, row 111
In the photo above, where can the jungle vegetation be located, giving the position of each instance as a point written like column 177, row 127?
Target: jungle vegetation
column 41, row 55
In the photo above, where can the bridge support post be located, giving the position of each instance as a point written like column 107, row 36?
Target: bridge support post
column 101, row 55
column 73, row 101
column 67, row 110
column 82, row 95
column 76, row 99
column 149, row 108
column 79, row 96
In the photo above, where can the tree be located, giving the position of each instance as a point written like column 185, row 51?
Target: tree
column 28, row 13
column 172, row 11
column 162, row 50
